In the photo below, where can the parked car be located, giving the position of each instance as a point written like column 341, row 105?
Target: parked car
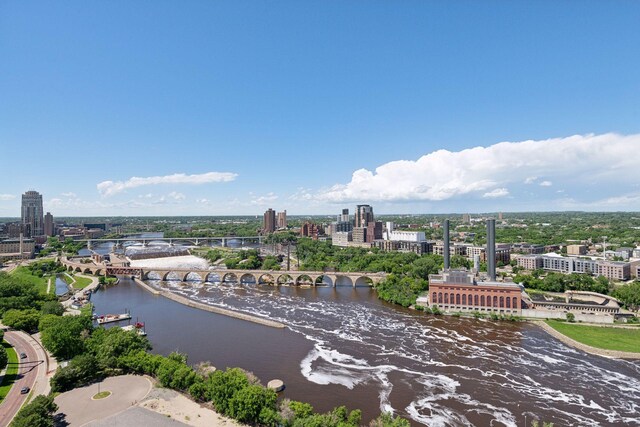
column 24, row 390
column 23, row 356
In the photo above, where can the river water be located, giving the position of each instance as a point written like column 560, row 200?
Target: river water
column 344, row 346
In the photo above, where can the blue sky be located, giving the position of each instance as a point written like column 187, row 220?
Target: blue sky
column 213, row 108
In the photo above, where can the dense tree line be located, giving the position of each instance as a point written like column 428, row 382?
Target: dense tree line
column 17, row 293
column 629, row 295
column 68, row 246
column 558, row 282
column 37, row 413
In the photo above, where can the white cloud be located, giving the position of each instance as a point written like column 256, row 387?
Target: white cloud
column 7, row 197
column 264, row 200
column 69, row 194
column 442, row 174
column 498, row 192
column 530, row 179
column 177, row 196
column 546, row 184
column 109, row 188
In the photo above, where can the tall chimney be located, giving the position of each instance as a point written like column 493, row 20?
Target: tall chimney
column 491, row 249
column 446, row 245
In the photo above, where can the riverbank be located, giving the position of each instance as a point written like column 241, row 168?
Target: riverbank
column 188, row 302
column 585, row 347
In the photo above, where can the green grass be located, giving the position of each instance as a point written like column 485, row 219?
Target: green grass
column 81, row 282
column 101, row 395
column 607, row 338
column 11, row 374
column 25, row 275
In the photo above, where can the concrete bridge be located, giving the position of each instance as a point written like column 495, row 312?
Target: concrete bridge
column 279, row 277
column 192, row 241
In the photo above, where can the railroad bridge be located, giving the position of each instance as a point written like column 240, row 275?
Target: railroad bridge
column 227, row 275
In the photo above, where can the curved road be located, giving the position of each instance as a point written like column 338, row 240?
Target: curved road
column 28, row 372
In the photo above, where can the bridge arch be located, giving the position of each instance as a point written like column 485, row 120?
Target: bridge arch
column 363, row 281
column 249, row 278
column 266, row 278
column 304, row 279
column 192, row 276
column 86, row 271
column 154, row 275
column 230, row 277
column 284, row 279
column 213, row 278
column 172, row 276
column 323, row 280
column 342, row 280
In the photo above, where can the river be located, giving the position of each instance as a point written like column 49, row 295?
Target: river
column 344, row 346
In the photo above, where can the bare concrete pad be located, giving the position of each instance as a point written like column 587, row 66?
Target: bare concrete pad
column 136, row 417
column 79, row 408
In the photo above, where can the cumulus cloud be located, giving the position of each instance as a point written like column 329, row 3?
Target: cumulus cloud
column 498, row 192
column 479, row 171
column 263, row 200
column 69, row 194
column 109, row 188
column 7, row 197
column 177, row 196
column 546, row 184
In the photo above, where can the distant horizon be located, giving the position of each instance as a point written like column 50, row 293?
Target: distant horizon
column 259, row 216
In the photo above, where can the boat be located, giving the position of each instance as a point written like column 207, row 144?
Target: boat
column 108, row 318
column 138, row 327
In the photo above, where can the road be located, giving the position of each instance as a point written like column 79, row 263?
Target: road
column 28, row 372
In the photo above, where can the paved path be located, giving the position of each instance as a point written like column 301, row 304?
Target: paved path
column 30, row 370
column 79, row 408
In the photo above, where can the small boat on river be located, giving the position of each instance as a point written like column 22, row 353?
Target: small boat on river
column 109, row 318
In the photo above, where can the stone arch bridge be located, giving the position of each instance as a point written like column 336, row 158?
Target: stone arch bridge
column 312, row 278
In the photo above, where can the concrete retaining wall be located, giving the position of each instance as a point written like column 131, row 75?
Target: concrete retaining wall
column 559, row 314
column 217, row 310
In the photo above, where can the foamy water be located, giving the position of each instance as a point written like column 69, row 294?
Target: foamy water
column 460, row 371
column 184, row 261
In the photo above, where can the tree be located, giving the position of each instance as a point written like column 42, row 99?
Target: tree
column 65, row 337
column 3, row 356
column 222, row 385
column 571, row 317
column 110, row 345
column 387, row 420
column 52, row 307
column 248, row 403
column 25, row 320
column 38, row 413
column 629, row 295
column 79, row 372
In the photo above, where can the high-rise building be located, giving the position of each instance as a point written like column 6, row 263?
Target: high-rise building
column 269, row 222
column 49, row 227
column 364, row 215
column 466, row 218
column 32, row 212
column 282, row 219
column 310, row 229
column 374, row 231
column 344, row 217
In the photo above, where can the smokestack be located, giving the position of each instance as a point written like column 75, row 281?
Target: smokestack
column 491, row 249
column 446, row 245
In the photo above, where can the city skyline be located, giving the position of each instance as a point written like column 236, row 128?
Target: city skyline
column 414, row 108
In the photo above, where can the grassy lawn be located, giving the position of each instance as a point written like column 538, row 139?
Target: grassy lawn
column 81, row 282
column 607, row 338
column 23, row 273
column 11, row 373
